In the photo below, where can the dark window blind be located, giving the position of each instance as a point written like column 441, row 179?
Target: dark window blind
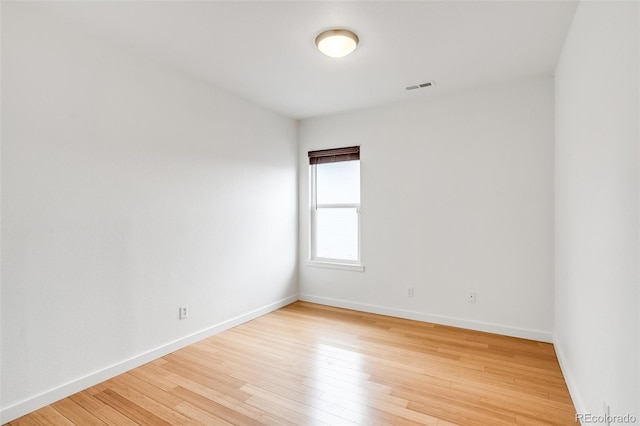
column 334, row 155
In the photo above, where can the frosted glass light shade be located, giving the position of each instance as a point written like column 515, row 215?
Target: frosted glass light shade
column 337, row 43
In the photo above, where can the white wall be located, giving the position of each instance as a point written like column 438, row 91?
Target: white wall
column 457, row 196
column 128, row 190
column 597, row 208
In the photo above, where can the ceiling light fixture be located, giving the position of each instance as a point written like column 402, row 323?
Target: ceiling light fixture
column 337, row 42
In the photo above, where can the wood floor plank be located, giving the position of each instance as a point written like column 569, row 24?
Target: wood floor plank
column 308, row 409
column 50, row 416
column 76, row 413
column 142, row 400
column 86, row 400
column 309, row 364
column 129, row 409
column 208, row 405
column 112, row 417
column 200, row 416
column 287, row 414
column 226, row 400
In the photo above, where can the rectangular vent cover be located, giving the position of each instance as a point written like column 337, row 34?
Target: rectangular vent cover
column 421, row 85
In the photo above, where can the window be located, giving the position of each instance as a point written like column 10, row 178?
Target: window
column 334, row 177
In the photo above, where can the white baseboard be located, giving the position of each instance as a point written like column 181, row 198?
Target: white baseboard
column 542, row 336
column 568, row 378
column 27, row 406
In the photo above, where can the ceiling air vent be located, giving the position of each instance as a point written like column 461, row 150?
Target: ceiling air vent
column 421, row 85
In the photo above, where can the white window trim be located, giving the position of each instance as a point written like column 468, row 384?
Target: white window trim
column 336, row 265
column 321, row 262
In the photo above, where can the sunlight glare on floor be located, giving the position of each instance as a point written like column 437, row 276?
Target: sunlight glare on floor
column 339, row 373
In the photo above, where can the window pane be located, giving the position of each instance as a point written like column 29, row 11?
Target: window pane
column 338, row 183
column 337, row 233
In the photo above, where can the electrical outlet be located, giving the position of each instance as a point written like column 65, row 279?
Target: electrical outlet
column 471, row 297
column 409, row 291
column 183, row 312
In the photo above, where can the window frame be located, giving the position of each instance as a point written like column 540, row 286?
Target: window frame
column 314, row 259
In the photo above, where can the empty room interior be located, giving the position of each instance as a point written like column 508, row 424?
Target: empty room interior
column 208, row 218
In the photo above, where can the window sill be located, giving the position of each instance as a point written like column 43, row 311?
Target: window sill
column 336, row 265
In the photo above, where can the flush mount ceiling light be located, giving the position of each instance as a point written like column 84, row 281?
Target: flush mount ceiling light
column 337, row 42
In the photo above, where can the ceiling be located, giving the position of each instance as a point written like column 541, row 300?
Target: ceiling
column 264, row 50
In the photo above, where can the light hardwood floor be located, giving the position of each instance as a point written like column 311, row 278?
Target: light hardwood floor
column 309, row 364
